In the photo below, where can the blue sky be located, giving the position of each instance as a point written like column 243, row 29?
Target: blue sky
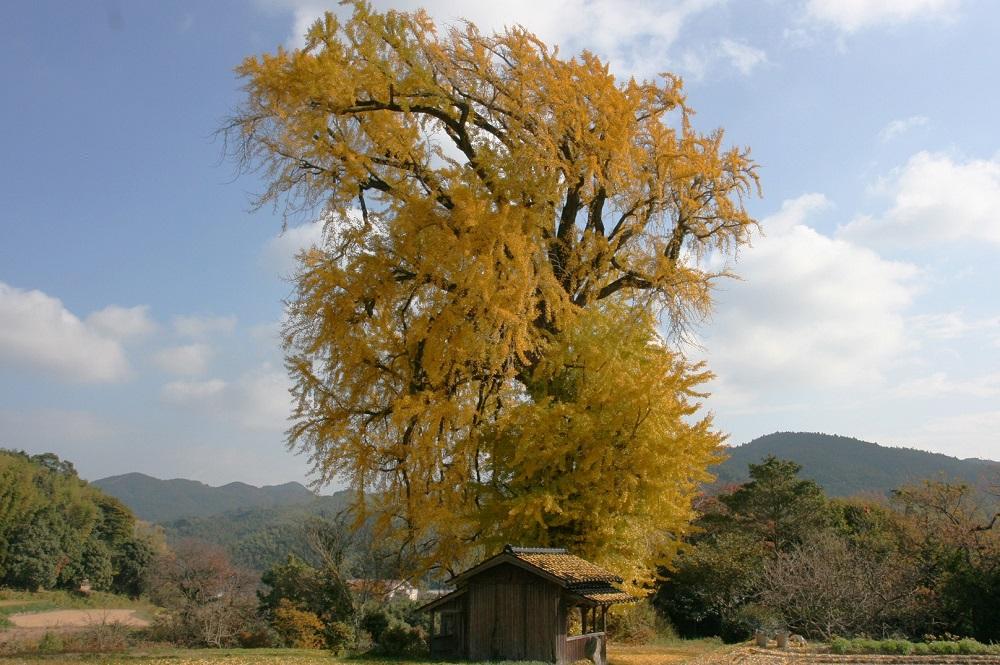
column 139, row 297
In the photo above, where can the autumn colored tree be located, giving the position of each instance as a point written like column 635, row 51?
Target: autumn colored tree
column 208, row 601
column 475, row 343
column 956, row 533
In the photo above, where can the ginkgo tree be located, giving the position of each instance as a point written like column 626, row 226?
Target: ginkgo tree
column 475, row 346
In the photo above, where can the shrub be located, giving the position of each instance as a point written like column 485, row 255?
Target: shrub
column 637, row 623
column 338, row 636
column 865, row 645
column 375, row 621
column 298, row 629
column 750, row 618
column 50, row 643
column 965, row 647
column 104, row 637
column 942, row 648
column 402, row 640
column 840, row 645
column 260, row 637
column 901, row 647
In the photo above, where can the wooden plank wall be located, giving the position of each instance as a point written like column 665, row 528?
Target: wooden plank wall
column 512, row 615
column 450, row 646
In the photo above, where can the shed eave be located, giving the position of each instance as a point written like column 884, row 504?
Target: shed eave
column 437, row 602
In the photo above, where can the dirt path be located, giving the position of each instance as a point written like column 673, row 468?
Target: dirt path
column 76, row 618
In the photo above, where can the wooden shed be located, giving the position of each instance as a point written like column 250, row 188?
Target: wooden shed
column 518, row 605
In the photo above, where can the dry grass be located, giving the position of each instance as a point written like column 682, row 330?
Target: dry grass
column 665, row 652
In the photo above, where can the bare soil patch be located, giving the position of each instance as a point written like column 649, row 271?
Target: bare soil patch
column 76, row 618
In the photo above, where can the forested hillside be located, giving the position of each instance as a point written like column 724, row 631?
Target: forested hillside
column 844, row 466
column 259, row 537
column 161, row 501
column 260, row 526
column 58, row 531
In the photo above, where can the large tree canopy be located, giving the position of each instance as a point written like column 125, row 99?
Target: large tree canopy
column 475, row 344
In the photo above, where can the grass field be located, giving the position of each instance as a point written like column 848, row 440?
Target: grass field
column 665, row 653
column 186, row 657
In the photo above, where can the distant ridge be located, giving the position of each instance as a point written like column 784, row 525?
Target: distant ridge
column 156, row 500
column 846, row 466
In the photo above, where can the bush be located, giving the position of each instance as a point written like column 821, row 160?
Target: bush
column 298, row 629
column 748, row 619
column 840, row 645
column 941, row 648
column 375, row 621
column 901, row 647
column 104, row 637
column 637, row 623
column 50, row 643
column 866, row 645
column 338, row 636
column 402, row 640
column 964, row 647
column 261, row 637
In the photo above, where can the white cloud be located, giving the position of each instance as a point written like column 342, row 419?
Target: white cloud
column 634, row 35
column 854, row 15
column 281, row 250
column 257, row 401
column 951, row 325
column 901, row 126
column 965, row 435
column 38, row 333
column 203, row 326
column 187, row 359
column 697, row 63
column 192, row 393
column 122, row 322
column 810, row 310
column 742, row 56
column 939, row 384
column 936, row 198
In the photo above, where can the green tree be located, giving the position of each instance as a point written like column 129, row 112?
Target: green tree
column 131, row 564
column 715, row 583
column 295, row 585
column 57, row 530
column 777, row 505
column 34, row 558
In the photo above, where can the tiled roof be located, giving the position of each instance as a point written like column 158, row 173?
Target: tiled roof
column 559, row 563
column 604, row 594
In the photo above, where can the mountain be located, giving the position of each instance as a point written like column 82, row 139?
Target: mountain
column 844, row 466
column 156, row 500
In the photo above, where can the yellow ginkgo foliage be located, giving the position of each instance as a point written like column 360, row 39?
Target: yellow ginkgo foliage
column 473, row 346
